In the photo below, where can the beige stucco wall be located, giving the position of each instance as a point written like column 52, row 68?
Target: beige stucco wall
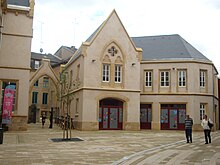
column 16, row 41
column 191, row 95
column 98, row 49
column 15, row 55
column 192, row 68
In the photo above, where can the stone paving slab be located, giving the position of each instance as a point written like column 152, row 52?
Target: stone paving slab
column 34, row 147
column 178, row 153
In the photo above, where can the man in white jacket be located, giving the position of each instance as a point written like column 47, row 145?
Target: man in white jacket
column 207, row 129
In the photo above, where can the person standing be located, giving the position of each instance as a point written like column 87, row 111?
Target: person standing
column 188, row 128
column 43, row 119
column 207, row 129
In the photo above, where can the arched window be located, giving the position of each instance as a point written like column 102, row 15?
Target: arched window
column 112, row 67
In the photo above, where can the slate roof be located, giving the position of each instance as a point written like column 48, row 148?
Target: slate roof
column 39, row 56
column 167, row 47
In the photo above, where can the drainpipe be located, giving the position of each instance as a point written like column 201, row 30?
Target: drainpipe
column 213, row 97
column 1, row 27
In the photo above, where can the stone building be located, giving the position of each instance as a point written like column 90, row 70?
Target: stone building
column 44, row 82
column 112, row 82
column 120, row 82
column 16, row 20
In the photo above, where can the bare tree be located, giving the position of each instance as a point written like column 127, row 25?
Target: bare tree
column 66, row 98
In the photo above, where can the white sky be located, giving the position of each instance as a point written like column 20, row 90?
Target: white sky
column 70, row 22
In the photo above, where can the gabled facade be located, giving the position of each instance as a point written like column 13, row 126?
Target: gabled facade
column 104, row 71
column 44, row 82
column 15, row 52
column 136, row 83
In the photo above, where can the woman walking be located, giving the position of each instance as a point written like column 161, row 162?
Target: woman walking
column 207, row 129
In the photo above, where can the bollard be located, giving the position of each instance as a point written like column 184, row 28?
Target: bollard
column 1, row 135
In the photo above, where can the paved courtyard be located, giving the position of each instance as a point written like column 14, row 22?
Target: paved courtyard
column 34, row 147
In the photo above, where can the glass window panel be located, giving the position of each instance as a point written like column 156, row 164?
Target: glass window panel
column 149, row 115
column 173, row 119
column 182, row 115
column 143, row 115
column 164, row 116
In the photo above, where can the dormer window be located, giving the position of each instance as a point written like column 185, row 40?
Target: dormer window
column 19, row 3
column 36, row 64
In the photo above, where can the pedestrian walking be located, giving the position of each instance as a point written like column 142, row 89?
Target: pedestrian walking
column 43, row 119
column 206, row 124
column 188, row 128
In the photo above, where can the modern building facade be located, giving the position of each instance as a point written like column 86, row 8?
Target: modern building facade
column 124, row 83
column 16, row 20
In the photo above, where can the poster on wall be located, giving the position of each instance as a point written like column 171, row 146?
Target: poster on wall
column 8, row 104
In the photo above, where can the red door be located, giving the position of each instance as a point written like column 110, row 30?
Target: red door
column 145, row 116
column 173, row 116
column 110, row 116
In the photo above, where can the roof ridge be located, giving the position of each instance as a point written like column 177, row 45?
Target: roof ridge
column 188, row 46
column 167, row 35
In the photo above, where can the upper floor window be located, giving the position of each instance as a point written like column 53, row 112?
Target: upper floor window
column 106, row 73
column 202, row 78
column 36, row 64
column 36, row 84
column 148, row 78
column 44, row 98
column 202, row 111
column 118, row 71
column 78, row 72
column 45, row 82
column 182, row 78
column 164, row 78
column 34, row 97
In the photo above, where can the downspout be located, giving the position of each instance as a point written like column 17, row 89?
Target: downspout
column 1, row 27
column 213, row 97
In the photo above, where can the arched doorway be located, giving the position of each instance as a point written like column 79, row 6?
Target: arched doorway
column 110, row 114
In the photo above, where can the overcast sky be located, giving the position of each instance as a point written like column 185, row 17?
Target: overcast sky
column 71, row 22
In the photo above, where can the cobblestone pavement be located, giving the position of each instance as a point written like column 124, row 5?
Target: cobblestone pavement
column 34, row 147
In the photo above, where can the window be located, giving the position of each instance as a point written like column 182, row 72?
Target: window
column 118, row 71
column 77, row 72
column 34, row 97
column 25, row 3
column 36, row 84
column 164, row 78
column 202, row 77
column 36, row 64
column 44, row 100
column 77, row 104
column 202, row 111
column 106, row 72
column 148, row 78
column 45, row 82
column 182, row 78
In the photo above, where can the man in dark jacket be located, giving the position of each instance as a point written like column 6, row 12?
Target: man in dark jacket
column 188, row 128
